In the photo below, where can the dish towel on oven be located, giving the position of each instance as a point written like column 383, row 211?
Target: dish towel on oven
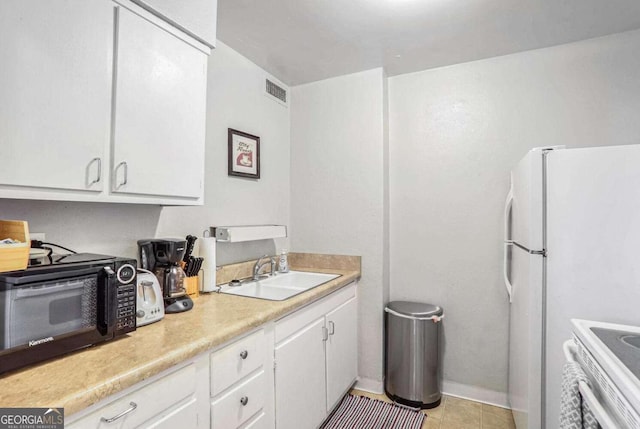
column 574, row 412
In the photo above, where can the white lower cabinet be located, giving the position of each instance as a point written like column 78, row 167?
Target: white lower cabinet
column 341, row 350
column 240, row 383
column 300, row 378
column 173, row 399
column 315, row 359
column 244, row 401
column 288, row 374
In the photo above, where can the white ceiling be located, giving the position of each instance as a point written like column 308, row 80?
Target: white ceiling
column 301, row 41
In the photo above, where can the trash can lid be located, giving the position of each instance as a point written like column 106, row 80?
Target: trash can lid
column 415, row 309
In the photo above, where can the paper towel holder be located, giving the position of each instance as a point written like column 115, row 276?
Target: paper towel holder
column 237, row 234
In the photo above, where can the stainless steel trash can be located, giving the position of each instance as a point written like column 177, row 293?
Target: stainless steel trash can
column 412, row 353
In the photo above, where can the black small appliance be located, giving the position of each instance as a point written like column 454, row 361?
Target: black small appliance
column 162, row 257
column 65, row 303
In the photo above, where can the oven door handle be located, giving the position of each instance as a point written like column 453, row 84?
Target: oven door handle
column 601, row 415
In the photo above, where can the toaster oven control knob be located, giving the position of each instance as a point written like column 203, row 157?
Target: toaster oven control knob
column 140, row 313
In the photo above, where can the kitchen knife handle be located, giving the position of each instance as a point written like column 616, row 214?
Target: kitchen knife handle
column 191, row 241
column 188, row 269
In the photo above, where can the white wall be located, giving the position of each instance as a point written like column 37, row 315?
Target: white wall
column 455, row 133
column 110, row 229
column 337, row 198
column 235, row 99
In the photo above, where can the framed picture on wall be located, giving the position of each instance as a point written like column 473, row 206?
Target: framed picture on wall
column 244, row 154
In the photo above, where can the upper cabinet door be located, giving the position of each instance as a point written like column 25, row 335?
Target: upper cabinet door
column 199, row 18
column 160, row 102
column 55, row 92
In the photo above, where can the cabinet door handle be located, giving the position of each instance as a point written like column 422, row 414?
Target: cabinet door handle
column 244, row 354
column 244, row 400
column 332, row 328
column 132, row 407
column 99, row 175
column 126, row 173
column 325, row 334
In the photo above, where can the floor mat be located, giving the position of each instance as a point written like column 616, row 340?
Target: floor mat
column 360, row 412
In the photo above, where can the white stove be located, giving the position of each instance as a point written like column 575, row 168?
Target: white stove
column 610, row 356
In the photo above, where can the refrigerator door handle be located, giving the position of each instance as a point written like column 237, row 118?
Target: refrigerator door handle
column 507, row 241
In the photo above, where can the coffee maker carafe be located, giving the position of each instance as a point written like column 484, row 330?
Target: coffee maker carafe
column 162, row 257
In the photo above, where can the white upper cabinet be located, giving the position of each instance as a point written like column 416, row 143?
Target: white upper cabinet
column 199, row 19
column 55, row 93
column 100, row 101
column 160, row 103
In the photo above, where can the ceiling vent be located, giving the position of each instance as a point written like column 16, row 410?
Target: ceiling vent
column 276, row 92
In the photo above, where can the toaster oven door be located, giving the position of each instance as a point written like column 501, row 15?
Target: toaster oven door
column 44, row 310
column 54, row 313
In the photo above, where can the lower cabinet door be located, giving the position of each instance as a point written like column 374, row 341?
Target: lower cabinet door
column 300, row 379
column 342, row 350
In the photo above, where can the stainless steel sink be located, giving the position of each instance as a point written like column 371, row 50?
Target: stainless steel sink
column 280, row 286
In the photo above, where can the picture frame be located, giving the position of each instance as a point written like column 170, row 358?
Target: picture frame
column 243, row 154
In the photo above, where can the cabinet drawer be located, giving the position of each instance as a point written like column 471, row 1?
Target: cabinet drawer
column 231, row 410
column 258, row 422
column 183, row 416
column 236, row 361
column 150, row 401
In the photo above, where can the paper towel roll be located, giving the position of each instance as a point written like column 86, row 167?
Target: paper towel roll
column 208, row 252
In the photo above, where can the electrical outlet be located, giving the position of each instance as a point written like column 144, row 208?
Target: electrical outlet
column 40, row 236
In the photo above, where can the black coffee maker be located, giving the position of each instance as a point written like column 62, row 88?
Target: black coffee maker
column 162, row 257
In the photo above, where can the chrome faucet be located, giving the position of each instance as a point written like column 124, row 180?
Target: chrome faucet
column 258, row 266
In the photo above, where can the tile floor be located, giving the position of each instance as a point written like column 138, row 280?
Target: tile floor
column 455, row 413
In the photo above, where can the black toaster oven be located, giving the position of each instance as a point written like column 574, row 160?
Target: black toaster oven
column 64, row 304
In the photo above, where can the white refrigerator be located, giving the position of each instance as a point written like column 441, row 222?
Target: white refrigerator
column 572, row 250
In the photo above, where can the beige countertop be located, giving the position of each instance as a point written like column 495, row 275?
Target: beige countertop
column 80, row 379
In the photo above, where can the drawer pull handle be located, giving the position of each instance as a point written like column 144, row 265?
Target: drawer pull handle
column 244, row 400
column 132, row 406
column 244, row 354
column 332, row 328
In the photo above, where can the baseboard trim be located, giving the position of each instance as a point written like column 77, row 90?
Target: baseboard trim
column 478, row 394
column 369, row 385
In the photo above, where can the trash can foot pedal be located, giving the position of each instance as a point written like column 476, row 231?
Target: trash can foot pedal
column 408, row 407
